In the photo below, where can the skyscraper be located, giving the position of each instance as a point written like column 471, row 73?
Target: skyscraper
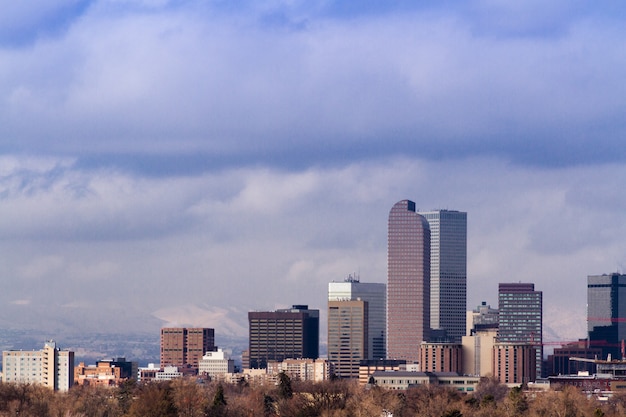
column 606, row 312
column 448, row 271
column 283, row 334
column 185, row 346
column 347, row 336
column 408, row 282
column 376, row 296
column 520, row 317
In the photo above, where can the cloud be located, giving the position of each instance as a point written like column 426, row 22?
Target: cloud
column 140, row 83
column 22, row 23
column 263, row 237
column 249, row 152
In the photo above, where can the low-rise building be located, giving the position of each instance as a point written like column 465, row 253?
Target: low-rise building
column 302, row 369
column 147, row 373
column 401, row 380
column 368, row 367
column 105, row 372
column 168, row 373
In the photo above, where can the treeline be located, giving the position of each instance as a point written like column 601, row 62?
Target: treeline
column 188, row 398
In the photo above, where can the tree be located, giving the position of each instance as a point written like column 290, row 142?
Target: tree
column 92, row 401
column 219, row 399
column 285, row 389
column 516, row 403
column 153, row 400
column 125, row 392
column 188, row 398
column 491, row 388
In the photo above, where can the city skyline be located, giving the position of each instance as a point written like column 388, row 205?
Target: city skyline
column 249, row 153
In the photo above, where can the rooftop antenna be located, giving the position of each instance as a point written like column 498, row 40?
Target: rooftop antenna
column 353, row 277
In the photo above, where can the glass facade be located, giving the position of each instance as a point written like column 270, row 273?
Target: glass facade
column 376, row 296
column 448, row 272
column 520, row 317
column 606, row 312
column 408, row 282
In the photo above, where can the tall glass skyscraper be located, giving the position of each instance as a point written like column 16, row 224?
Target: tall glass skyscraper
column 376, row 296
column 520, row 318
column 408, row 282
column 448, row 272
column 606, row 312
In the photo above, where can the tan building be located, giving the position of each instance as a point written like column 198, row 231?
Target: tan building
column 259, row 376
column 402, row 380
column 441, row 357
column 184, row 347
column 514, row 363
column 478, row 352
column 367, row 368
column 50, row 366
column 347, row 336
column 302, row 369
column 105, row 373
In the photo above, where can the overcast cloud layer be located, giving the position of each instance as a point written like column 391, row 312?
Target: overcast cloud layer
column 186, row 161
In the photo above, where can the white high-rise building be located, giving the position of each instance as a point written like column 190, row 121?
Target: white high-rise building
column 448, row 272
column 216, row 363
column 376, row 296
column 50, row 366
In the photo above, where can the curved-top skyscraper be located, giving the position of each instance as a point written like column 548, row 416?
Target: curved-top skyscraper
column 408, row 282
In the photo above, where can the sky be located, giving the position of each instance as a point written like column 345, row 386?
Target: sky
column 184, row 162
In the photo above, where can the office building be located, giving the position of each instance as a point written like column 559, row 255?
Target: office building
column 563, row 360
column 168, row 373
column 368, row 367
column 376, row 296
column 606, row 313
column 183, row 347
column 50, row 367
column 483, row 317
column 408, row 282
column 514, row 363
column 148, row 373
column 347, row 336
column 403, row 380
column 214, row 364
column 107, row 373
column 315, row 370
column 441, row 357
column 478, row 351
column 448, row 272
column 520, row 317
column 283, row 334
